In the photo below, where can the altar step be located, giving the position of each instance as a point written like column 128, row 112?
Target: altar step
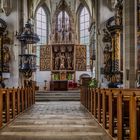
column 70, row 95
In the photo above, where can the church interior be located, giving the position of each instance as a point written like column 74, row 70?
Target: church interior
column 69, row 69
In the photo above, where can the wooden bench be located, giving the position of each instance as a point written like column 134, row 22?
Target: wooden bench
column 14, row 101
column 118, row 110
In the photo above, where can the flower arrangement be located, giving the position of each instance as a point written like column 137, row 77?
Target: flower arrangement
column 93, row 83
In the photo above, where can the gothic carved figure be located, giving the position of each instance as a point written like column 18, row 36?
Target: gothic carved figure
column 118, row 12
column 62, row 24
column 69, row 62
column 45, row 58
column 107, row 36
column 6, row 54
column 57, row 64
column 69, row 48
column 62, row 61
column 56, row 49
column 81, row 58
column 6, row 58
column 63, row 49
column 107, row 59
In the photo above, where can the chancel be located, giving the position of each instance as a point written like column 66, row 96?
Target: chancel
column 69, row 69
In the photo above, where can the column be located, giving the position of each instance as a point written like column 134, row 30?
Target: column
column 129, row 43
column 97, row 45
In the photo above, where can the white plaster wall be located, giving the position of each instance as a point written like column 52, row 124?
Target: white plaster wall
column 12, row 27
column 105, row 12
column 41, row 76
column 79, row 73
column 46, row 75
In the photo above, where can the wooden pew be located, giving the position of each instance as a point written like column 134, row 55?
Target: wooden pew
column 118, row 110
column 13, row 102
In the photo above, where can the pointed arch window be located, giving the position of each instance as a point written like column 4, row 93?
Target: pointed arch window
column 63, row 21
column 42, row 30
column 84, row 25
column 41, row 25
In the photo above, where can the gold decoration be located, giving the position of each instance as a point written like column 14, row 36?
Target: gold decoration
column 45, row 58
column 62, row 57
column 80, row 57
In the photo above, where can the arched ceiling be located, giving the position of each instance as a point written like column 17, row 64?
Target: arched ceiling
column 74, row 4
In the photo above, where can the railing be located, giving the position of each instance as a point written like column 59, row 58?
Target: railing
column 118, row 110
column 13, row 102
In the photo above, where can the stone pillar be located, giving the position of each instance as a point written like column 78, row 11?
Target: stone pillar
column 97, row 44
column 130, row 43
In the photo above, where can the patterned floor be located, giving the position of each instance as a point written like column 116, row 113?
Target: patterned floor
column 54, row 121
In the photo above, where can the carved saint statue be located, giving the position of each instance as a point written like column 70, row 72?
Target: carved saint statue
column 57, row 61
column 6, row 54
column 62, row 61
column 69, row 62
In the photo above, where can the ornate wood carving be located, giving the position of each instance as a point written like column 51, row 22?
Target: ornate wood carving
column 80, row 57
column 62, row 25
column 0, row 57
column 138, row 35
column 45, row 58
column 107, row 59
column 6, row 58
column 112, row 39
column 63, row 57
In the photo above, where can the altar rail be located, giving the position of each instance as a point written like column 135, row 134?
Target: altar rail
column 13, row 102
column 117, row 110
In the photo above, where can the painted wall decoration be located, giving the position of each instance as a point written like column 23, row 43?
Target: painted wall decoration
column 45, row 58
column 80, row 57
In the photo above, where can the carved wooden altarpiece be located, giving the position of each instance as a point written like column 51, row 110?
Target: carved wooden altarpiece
column 62, row 56
column 80, row 57
column 45, row 58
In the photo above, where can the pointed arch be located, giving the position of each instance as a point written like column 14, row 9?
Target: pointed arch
column 41, row 23
column 63, row 6
column 42, row 19
column 78, row 12
column 45, row 7
column 84, row 23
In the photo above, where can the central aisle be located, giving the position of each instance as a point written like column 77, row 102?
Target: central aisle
column 54, row 121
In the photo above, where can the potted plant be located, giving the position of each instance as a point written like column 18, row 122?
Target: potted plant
column 93, row 83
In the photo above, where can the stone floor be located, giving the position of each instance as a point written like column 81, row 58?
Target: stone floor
column 54, row 121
